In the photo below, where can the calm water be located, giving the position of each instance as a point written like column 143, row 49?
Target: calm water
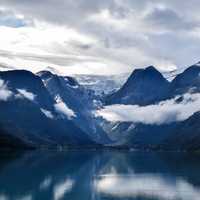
column 99, row 176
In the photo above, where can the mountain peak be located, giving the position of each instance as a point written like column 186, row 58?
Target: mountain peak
column 198, row 63
column 150, row 68
column 22, row 72
column 189, row 79
column 143, row 87
column 20, row 78
column 149, row 73
column 71, row 81
column 44, row 73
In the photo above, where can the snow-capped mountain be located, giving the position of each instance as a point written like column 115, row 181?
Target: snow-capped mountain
column 29, row 112
column 149, row 99
column 67, row 91
column 102, row 85
column 148, row 111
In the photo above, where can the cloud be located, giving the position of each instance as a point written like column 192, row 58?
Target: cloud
column 169, row 20
column 25, row 94
column 5, row 93
column 106, row 37
column 163, row 113
column 62, row 108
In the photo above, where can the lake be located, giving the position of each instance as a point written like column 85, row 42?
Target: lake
column 99, row 175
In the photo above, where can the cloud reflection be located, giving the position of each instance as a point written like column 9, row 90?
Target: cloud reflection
column 146, row 185
column 46, row 183
column 27, row 197
column 3, row 197
column 62, row 188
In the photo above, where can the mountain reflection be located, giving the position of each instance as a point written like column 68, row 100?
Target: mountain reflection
column 99, row 176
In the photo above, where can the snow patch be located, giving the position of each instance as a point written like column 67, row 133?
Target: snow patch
column 47, row 113
column 5, row 93
column 62, row 108
column 25, row 94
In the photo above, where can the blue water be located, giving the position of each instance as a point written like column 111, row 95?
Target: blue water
column 90, row 175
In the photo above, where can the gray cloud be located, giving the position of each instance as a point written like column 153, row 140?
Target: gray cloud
column 51, row 59
column 170, row 20
column 129, row 34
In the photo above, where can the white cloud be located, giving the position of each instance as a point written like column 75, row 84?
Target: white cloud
column 25, row 94
column 163, row 113
column 47, row 113
column 5, row 93
column 65, row 110
column 112, row 36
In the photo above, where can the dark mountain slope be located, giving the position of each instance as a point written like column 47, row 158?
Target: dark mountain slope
column 80, row 100
column 144, row 86
column 29, row 113
column 186, row 136
column 188, row 81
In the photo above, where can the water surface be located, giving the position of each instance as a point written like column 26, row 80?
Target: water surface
column 108, row 175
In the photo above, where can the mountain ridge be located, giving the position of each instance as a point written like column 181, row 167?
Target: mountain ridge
column 48, row 109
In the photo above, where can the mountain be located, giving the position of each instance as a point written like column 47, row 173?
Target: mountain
column 144, row 86
column 148, row 87
column 186, row 136
column 188, row 81
column 102, row 84
column 28, row 113
column 68, row 91
column 8, row 141
column 46, row 109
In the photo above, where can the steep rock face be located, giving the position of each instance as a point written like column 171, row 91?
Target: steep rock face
column 141, row 136
column 183, row 135
column 144, row 86
column 29, row 113
column 68, row 91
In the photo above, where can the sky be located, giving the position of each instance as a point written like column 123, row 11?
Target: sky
column 98, row 36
